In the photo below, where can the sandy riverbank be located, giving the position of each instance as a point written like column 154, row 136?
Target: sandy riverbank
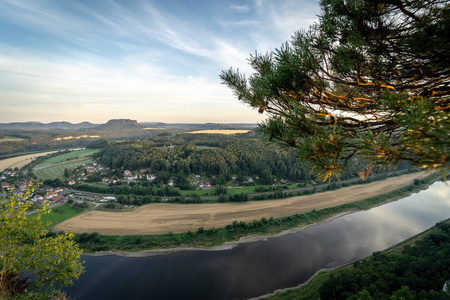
column 161, row 218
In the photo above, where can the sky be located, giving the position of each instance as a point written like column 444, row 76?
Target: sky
column 151, row 61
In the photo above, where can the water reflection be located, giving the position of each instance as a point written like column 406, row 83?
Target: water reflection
column 258, row 268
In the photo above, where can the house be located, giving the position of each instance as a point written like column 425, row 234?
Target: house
column 129, row 177
column 5, row 186
column 58, row 190
column 171, row 182
column 249, row 179
column 105, row 180
column 72, row 182
column 100, row 167
column 38, row 197
column 40, row 201
column 127, row 173
column 50, row 195
column 58, row 198
column 151, row 177
column 207, row 185
column 201, row 185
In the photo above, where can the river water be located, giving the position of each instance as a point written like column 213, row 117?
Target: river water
column 254, row 269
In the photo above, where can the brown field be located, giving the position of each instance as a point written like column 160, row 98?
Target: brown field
column 221, row 131
column 20, row 161
column 76, row 137
column 161, row 218
column 11, row 139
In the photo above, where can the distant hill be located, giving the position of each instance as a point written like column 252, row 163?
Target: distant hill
column 42, row 126
column 120, row 125
column 200, row 126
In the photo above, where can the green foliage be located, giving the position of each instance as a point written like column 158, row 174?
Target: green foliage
column 32, row 263
column 230, row 155
column 358, row 84
column 60, row 214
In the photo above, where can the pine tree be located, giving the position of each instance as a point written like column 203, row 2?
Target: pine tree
column 368, row 83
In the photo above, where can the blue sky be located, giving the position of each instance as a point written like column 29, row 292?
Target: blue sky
column 91, row 60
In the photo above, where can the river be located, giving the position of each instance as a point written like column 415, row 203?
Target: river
column 254, row 269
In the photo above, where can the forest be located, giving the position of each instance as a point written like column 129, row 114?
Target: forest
column 181, row 155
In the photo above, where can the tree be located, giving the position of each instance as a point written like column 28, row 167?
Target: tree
column 32, row 262
column 368, row 83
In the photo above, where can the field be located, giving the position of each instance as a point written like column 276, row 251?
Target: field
column 161, row 218
column 67, row 156
column 20, row 161
column 76, row 137
column 220, row 131
column 53, row 167
column 60, row 214
column 10, row 139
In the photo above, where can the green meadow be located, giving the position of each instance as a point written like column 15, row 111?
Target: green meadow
column 60, row 213
column 67, row 156
column 9, row 138
column 53, row 167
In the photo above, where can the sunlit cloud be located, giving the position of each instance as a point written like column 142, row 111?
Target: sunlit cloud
column 146, row 60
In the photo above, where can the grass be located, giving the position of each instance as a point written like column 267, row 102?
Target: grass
column 57, row 171
column 60, row 214
column 57, row 164
column 9, row 138
column 67, row 156
column 211, row 192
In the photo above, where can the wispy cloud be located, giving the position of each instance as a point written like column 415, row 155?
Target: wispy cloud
column 241, row 23
column 144, row 58
column 240, row 8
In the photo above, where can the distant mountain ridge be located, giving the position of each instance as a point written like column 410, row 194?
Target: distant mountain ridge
column 122, row 124
column 43, row 126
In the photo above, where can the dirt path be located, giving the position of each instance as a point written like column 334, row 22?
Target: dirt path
column 161, row 218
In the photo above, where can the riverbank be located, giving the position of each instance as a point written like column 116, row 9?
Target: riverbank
column 161, row 218
column 235, row 233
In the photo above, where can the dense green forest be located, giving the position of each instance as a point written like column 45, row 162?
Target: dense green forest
column 183, row 154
